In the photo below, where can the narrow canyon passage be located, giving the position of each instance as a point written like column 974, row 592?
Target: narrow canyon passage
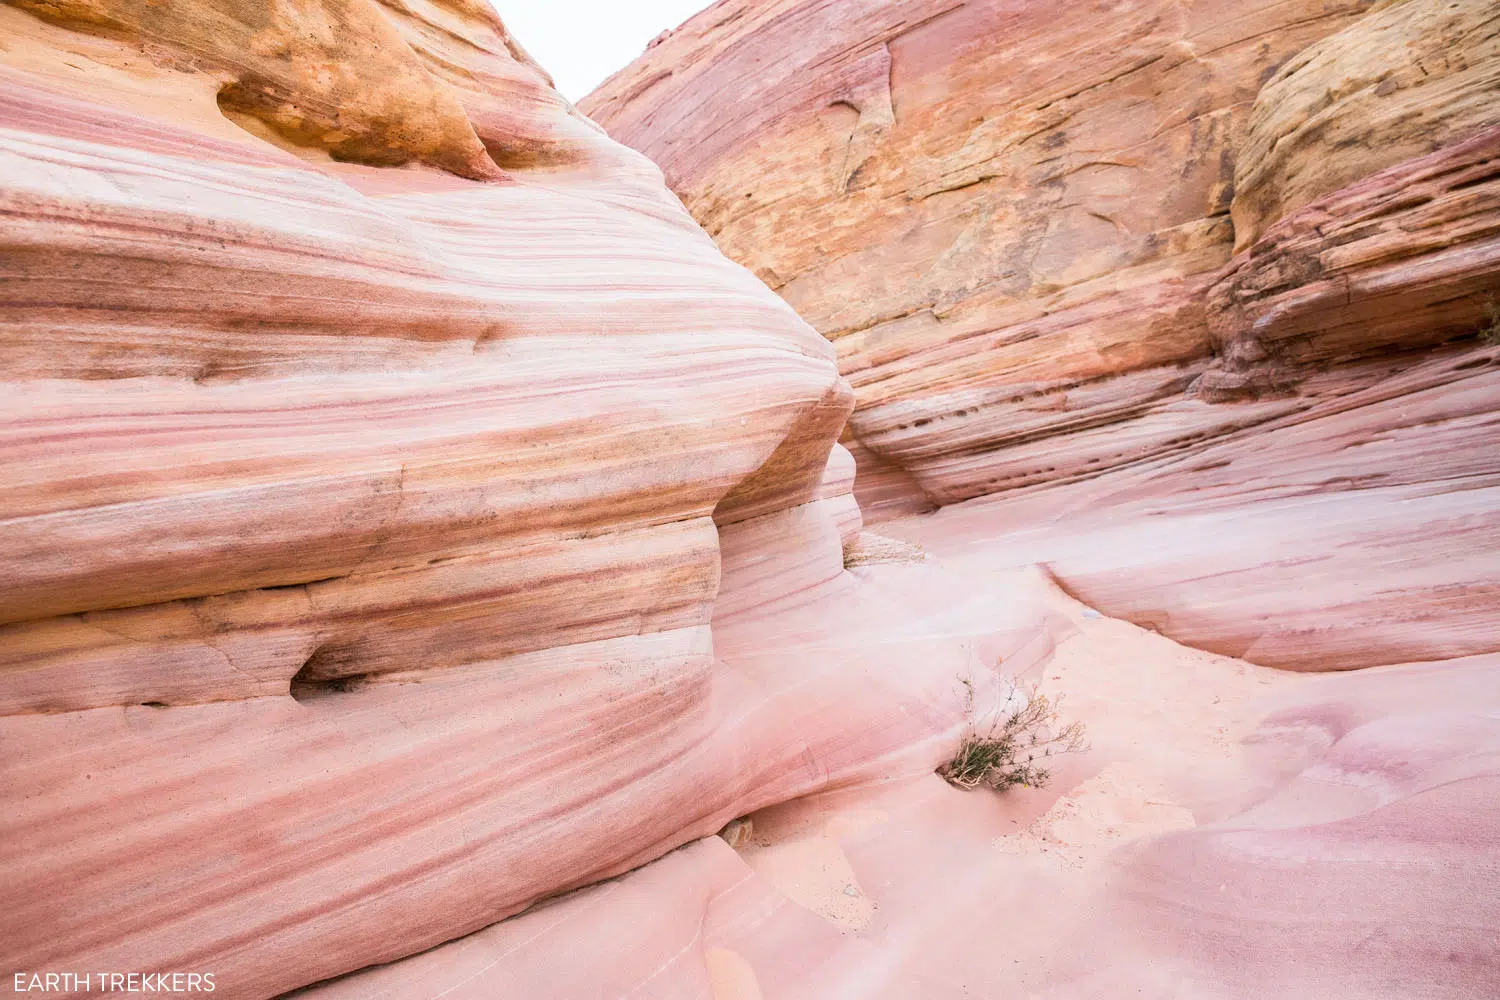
column 457, row 542
column 1233, row 831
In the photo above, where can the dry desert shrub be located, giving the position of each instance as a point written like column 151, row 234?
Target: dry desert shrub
column 1489, row 333
column 1015, row 748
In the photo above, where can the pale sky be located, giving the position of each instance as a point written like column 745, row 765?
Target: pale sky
column 580, row 42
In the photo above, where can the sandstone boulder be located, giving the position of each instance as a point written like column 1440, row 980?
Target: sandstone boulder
column 1407, row 79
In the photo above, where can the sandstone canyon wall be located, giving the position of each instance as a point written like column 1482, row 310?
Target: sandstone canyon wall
column 1004, row 215
column 1223, row 266
column 418, row 539
column 383, row 448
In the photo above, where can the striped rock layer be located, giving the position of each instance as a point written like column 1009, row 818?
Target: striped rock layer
column 1192, row 255
column 410, row 519
column 383, row 449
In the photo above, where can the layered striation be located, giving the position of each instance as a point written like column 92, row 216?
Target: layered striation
column 1234, row 830
column 419, row 539
column 1229, row 268
column 386, row 452
column 1003, row 215
column 1409, row 78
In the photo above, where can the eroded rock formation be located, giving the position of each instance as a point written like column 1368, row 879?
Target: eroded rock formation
column 1407, row 79
column 1190, row 257
column 1004, row 215
column 366, row 530
column 1236, row 833
column 409, row 517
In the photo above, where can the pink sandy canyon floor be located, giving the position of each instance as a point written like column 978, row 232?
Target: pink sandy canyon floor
column 1232, row 831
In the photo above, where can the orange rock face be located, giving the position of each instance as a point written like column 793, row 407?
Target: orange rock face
column 1404, row 260
column 1405, row 80
column 1003, row 215
column 385, row 83
column 1018, row 224
column 1008, row 217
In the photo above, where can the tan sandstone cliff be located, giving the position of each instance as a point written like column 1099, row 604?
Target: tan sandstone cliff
column 1003, row 215
column 1190, row 256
